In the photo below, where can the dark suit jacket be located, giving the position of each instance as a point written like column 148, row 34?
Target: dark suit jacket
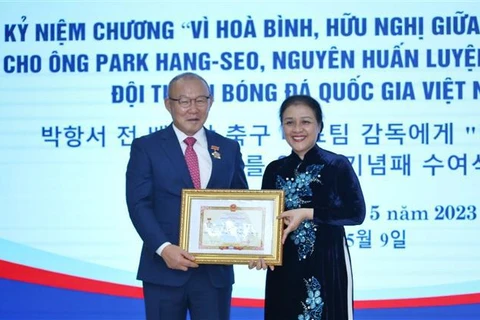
column 156, row 174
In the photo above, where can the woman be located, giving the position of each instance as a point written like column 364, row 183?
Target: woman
column 322, row 195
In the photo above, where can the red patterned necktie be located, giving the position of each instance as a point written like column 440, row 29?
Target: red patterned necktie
column 192, row 161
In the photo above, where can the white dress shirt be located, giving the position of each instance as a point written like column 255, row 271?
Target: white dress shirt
column 204, row 161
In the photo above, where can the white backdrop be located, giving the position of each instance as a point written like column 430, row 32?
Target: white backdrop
column 71, row 100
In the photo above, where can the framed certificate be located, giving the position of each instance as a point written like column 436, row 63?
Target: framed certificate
column 232, row 226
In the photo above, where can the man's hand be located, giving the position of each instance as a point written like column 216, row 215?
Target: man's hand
column 177, row 258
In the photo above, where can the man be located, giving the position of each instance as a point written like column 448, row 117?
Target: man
column 156, row 174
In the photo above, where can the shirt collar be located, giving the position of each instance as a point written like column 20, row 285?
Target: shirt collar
column 200, row 136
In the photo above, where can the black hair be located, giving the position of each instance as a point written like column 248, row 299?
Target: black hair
column 305, row 100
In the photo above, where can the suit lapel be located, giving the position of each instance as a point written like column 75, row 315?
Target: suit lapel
column 173, row 152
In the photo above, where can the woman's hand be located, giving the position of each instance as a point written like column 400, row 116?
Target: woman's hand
column 293, row 218
column 259, row 264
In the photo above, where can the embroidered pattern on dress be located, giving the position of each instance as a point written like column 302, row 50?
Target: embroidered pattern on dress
column 313, row 305
column 296, row 189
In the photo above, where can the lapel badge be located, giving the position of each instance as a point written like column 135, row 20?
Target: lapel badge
column 215, row 152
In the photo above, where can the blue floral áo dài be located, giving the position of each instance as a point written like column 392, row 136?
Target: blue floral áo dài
column 296, row 190
column 313, row 305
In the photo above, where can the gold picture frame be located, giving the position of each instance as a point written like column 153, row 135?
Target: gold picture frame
column 224, row 226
